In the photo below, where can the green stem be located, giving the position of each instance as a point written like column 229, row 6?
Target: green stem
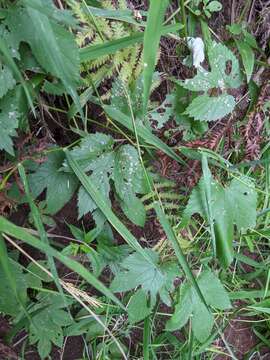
column 184, row 17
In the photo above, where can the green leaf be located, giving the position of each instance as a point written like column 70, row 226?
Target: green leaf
column 163, row 113
column 9, row 228
column 206, row 108
column 248, row 57
column 219, row 57
column 191, row 306
column 213, row 6
column 235, row 204
column 134, row 210
column 137, row 307
column 152, row 36
column 213, row 291
column 60, row 186
column 7, row 82
column 242, row 197
column 57, row 53
column 8, row 122
column 128, row 180
column 183, row 310
column 13, row 296
column 105, row 209
column 93, row 52
column 48, row 324
column 137, row 271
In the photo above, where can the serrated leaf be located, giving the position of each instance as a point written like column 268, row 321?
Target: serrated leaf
column 137, row 307
column 213, row 291
column 206, row 108
column 7, row 82
column 137, row 271
column 128, row 180
column 164, row 112
column 190, row 305
column 60, row 186
column 57, row 53
column 219, row 76
column 8, row 122
column 248, row 57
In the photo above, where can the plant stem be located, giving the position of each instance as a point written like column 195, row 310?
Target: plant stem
column 184, row 17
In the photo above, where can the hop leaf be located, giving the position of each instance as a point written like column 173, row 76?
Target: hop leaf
column 206, row 108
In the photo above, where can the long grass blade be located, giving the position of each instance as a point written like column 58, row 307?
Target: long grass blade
column 151, row 41
column 6, row 227
column 177, row 249
column 40, row 228
column 144, row 133
column 93, row 52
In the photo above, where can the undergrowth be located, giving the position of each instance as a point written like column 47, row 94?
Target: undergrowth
column 134, row 198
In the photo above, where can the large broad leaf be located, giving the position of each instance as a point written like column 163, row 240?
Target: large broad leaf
column 206, row 108
column 60, row 186
column 235, row 204
column 190, row 305
column 137, row 271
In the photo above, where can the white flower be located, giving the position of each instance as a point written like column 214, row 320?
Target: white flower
column 196, row 46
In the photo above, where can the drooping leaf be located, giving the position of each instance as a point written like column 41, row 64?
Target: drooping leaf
column 248, row 57
column 60, row 186
column 206, row 108
column 235, row 204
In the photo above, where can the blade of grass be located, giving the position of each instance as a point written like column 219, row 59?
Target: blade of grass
column 40, row 228
column 6, row 265
column 178, row 251
column 151, row 41
column 93, row 52
column 103, row 206
column 208, row 199
column 143, row 133
column 11, row 229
